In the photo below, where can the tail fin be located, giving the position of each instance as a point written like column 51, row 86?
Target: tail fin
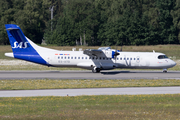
column 21, row 46
column 17, row 39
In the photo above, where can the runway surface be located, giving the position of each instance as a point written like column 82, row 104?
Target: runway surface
column 89, row 75
column 92, row 91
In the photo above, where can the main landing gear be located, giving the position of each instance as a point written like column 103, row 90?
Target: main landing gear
column 164, row 70
column 96, row 70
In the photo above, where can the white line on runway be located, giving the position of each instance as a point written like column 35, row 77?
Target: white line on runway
column 91, row 91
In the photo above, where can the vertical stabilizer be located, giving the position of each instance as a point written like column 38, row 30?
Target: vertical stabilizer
column 21, row 47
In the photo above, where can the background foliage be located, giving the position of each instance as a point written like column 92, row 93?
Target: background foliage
column 94, row 22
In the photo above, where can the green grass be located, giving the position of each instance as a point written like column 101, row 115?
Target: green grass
column 116, row 107
column 64, row 84
column 4, row 49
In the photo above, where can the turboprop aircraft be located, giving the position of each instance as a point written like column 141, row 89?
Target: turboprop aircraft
column 96, row 60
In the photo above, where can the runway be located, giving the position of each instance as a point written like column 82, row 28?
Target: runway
column 133, row 74
column 91, row 91
column 89, row 75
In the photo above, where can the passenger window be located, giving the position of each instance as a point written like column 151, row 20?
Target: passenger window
column 117, row 58
column 82, row 57
column 134, row 58
column 137, row 58
column 130, row 58
column 124, row 58
column 93, row 58
column 100, row 58
column 68, row 57
column 89, row 57
column 86, row 57
column 64, row 57
column 74, row 57
column 78, row 57
column 120, row 58
column 61, row 57
column 127, row 58
column 58, row 57
column 71, row 57
column 103, row 58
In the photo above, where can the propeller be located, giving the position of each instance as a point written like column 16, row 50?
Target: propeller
column 116, row 54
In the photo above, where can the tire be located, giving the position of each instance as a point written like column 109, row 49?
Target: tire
column 97, row 70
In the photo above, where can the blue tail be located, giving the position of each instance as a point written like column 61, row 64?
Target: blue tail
column 21, row 47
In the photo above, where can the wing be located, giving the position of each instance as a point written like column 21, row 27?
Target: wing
column 93, row 52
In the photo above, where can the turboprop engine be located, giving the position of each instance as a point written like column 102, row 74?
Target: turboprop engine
column 109, row 53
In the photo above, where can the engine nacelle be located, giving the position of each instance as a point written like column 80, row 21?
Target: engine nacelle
column 111, row 53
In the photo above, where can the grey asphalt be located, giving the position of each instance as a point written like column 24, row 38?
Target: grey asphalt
column 89, row 75
column 92, row 91
column 133, row 74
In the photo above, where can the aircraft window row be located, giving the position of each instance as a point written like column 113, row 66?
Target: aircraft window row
column 103, row 58
column 162, row 57
column 72, row 57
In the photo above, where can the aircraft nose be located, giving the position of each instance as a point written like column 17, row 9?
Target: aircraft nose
column 173, row 63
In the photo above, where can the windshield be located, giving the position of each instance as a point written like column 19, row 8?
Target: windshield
column 162, row 57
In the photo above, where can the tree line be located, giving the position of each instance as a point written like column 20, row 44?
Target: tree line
column 94, row 22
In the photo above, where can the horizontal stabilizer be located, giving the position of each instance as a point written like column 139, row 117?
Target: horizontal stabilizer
column 9, row 55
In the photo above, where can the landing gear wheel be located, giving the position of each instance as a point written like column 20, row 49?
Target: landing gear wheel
column 96, row 70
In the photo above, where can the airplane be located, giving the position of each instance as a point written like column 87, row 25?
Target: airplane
column 96, row 60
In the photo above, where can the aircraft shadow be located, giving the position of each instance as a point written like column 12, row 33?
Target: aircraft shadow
column 115, row 72
column 119, row 72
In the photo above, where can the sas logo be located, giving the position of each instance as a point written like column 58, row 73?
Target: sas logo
column 20, row 45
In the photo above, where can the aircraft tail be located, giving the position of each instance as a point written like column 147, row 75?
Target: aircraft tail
column 22, row 47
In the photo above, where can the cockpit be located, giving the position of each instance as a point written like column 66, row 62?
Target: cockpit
column 162, row 57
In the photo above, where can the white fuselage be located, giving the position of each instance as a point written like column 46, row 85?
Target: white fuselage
column 143, row 60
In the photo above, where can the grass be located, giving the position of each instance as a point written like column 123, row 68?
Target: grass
column 116, row 107
column 64, row 84
column 4, row 49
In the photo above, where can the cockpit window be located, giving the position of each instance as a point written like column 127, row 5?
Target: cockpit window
column 162, row 57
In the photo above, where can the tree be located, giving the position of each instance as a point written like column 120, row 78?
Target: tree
column 176, row 21
column 166, row 28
